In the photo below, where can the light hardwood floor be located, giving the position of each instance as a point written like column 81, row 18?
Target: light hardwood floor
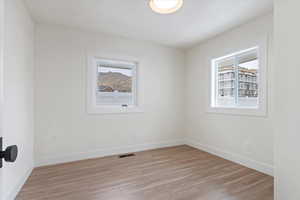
column 175, row 173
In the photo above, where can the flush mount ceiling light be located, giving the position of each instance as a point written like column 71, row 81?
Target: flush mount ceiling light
column 165, row 6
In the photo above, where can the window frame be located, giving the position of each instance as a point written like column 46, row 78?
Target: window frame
column 92, row 72
column 261, row 109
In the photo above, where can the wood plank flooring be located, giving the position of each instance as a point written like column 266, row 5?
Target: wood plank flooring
column 175, row 173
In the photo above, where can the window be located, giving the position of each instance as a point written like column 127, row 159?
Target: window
column 115, row 84
column 238, row 81
column 112, row 86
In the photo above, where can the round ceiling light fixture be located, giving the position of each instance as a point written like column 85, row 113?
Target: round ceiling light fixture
column 165, row 6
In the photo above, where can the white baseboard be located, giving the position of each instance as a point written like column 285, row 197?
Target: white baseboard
column 12, row 195
column 242, row 160
column 250, row 163
column 47, row 160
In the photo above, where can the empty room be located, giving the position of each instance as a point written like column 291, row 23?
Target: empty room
column 149, row 100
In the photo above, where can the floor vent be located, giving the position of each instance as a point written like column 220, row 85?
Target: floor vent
column 126, row 155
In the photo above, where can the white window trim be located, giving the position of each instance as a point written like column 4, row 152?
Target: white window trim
column 92, row 108
column 262, row 90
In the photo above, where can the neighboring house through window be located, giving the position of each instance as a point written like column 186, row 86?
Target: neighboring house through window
column 238, row 82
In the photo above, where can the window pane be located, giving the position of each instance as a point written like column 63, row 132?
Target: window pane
column 248, row 79
column 114, row 86
column 225, row 94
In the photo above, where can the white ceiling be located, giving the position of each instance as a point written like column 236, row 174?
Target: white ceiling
column 196, row 21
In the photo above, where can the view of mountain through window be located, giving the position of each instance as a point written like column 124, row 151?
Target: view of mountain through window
column 114, row 85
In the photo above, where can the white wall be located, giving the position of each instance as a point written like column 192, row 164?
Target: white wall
column 18, row 94
column 2, row 8
column 245, row 139
column 287, row 137
column 64, row 130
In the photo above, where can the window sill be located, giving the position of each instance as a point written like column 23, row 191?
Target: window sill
column 114, row 110
column 238, row 111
